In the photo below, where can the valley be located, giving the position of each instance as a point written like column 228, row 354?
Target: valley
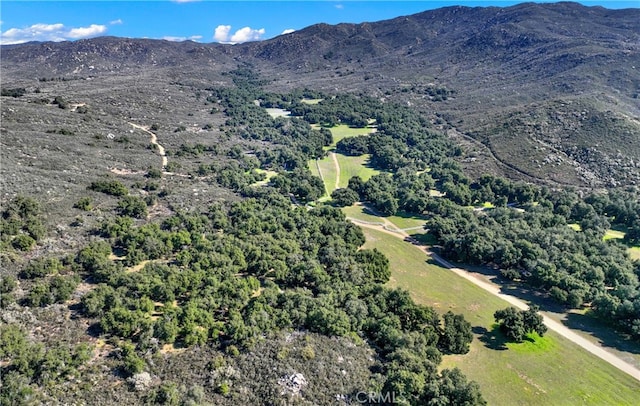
column 338, row 211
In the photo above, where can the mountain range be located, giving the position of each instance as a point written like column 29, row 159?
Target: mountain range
column 541, row 92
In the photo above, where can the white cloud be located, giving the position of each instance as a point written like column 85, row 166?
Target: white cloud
column 185, row 1
column 287, row 31
column 221, row 33
column 46, row 27
column 116, row 22
column 247, row 34
column 49, row 32
column 86, row 32
column 180, row 39
column 339, row 6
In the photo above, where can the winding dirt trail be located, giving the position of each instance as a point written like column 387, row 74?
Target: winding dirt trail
column 494, row 289
column 154, row 141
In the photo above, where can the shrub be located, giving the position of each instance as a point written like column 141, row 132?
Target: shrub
column 110, row 187
column 60, row 102
column 85, row 203
column 154, row 173
column 23, row 242
column 132, row 206
column 16, row 92
column 224, row 389
column 41, row 267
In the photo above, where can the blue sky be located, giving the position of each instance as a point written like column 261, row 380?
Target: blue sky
column 205, row 20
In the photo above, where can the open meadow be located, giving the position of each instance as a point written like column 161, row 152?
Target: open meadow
column 342, row 131
column 354, row 166
column 550, row 370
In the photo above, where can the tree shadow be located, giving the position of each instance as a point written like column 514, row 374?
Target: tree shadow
column 492, row 339
column 423, row 239
column 372, row 212
column 94, row 330
column 605, row 334
column 532, row 296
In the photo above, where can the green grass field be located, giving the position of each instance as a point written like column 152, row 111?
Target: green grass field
column 354, row 166
column 609, row 235
column 311, row 101
column 342, row 131
column 401, row 220
column 550, row 371
column 614, row 234
column 358, row 213
column 406, row 220
column 328, row 174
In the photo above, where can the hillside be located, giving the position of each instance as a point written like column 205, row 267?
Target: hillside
column 496, row 62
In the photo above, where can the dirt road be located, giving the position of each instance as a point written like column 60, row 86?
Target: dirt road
column 154, row 141
column 335, row 162
column 495, row 290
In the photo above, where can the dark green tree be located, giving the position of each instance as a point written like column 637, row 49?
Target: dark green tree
column 511, row 323
column 516, row 324
column 456, row 334
column 344, row 197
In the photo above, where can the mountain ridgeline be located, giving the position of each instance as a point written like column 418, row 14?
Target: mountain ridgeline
column 508, row 70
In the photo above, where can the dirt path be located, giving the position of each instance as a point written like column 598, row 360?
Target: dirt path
column 335, row 162
column 154, row 141
column 495, row 290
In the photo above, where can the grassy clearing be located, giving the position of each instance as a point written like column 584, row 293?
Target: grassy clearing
column 575, row 226
column 406, row 220
column 357, row 212
column 321, row 169
column 614, row 234
column 611, row 234
column 634, row 253
column 342, row 131
column 313, row 168
column 311, row 101
column 548, row 371
column 275, row 113
column 269, row 174
column 329, row 173
column 354, row 166
column 401, row 220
